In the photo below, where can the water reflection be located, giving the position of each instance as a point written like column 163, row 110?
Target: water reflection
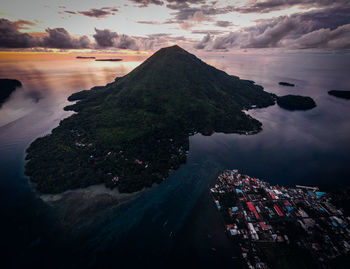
column 294, row 147
column 49, row 83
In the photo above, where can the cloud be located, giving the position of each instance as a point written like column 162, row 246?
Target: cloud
column 337, row 39
column 182, row 3
column 185, row 11
column 317, row 29
column 223, row 23
column 272, row 35
column 211, row 32
column 194, row 20
column 149, row 22
column 95, row 12
column 228, row 41
column 146, row 3
column 201, row 45
column 126, row 42
column 273, row 5
column 11, row 37
column 60, row 38
column 105, row 38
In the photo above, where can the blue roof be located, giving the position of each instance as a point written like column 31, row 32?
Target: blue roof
column 320, row 193
column 234, row 208
column 239, row 191
column 289, row 208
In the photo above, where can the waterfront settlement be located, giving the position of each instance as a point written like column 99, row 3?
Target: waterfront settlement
column 278, row 227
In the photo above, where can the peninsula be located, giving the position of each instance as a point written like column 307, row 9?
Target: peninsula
column 7, row 86
column 134, row 131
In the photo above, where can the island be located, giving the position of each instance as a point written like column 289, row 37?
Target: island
column 135, row 131
column 279, row 227
column 7, row 86
column 340, row 94
column 283, row 83
column 296, row 102
column 85, row 57
column 109, row 60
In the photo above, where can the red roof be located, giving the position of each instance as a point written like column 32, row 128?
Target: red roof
column 252, row 208
column 263, row 226
column 278, row 210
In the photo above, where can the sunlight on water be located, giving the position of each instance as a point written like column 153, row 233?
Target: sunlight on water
column 294, row 147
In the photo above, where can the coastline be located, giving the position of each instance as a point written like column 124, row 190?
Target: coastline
column 80, row 205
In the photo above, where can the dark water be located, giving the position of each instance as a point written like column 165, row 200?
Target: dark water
column 175, row 222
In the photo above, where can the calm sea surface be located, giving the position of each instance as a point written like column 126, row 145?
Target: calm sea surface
column 175, row 221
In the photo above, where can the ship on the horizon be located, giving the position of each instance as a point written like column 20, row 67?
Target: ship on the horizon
column 85, row 57
column 109, row 60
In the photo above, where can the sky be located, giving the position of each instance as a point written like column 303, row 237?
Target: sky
column 143, row 26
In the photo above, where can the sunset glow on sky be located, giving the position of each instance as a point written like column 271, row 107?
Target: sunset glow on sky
column 142, row 26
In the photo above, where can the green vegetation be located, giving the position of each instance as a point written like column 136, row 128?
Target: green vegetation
column 133, row 132
column 296, row 102
column 7, row 86
column 340, row 94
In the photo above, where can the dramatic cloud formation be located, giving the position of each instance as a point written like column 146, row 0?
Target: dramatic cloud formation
column 225, row 42
column 60, row 38
column 337, row 39
column 10, row 37
column 201, row 24
column 107, row 38
column 314, row 29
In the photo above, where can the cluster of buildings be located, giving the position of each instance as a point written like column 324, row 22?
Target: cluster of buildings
column 260, row 217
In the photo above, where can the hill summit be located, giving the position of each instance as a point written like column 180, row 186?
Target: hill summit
column 134, row 131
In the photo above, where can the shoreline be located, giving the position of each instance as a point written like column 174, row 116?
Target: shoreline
column 80, row 206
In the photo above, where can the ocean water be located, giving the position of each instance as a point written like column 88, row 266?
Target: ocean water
column 174, row 222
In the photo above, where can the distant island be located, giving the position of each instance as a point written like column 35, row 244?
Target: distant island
column 109, row 60
column 340, row 94
column 135, row 131
column 296, row 102
column 277, row 227
column 83, row 57
column 286, row 84
column 7, row 86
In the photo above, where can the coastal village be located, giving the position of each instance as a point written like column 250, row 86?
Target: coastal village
column 271, row 224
